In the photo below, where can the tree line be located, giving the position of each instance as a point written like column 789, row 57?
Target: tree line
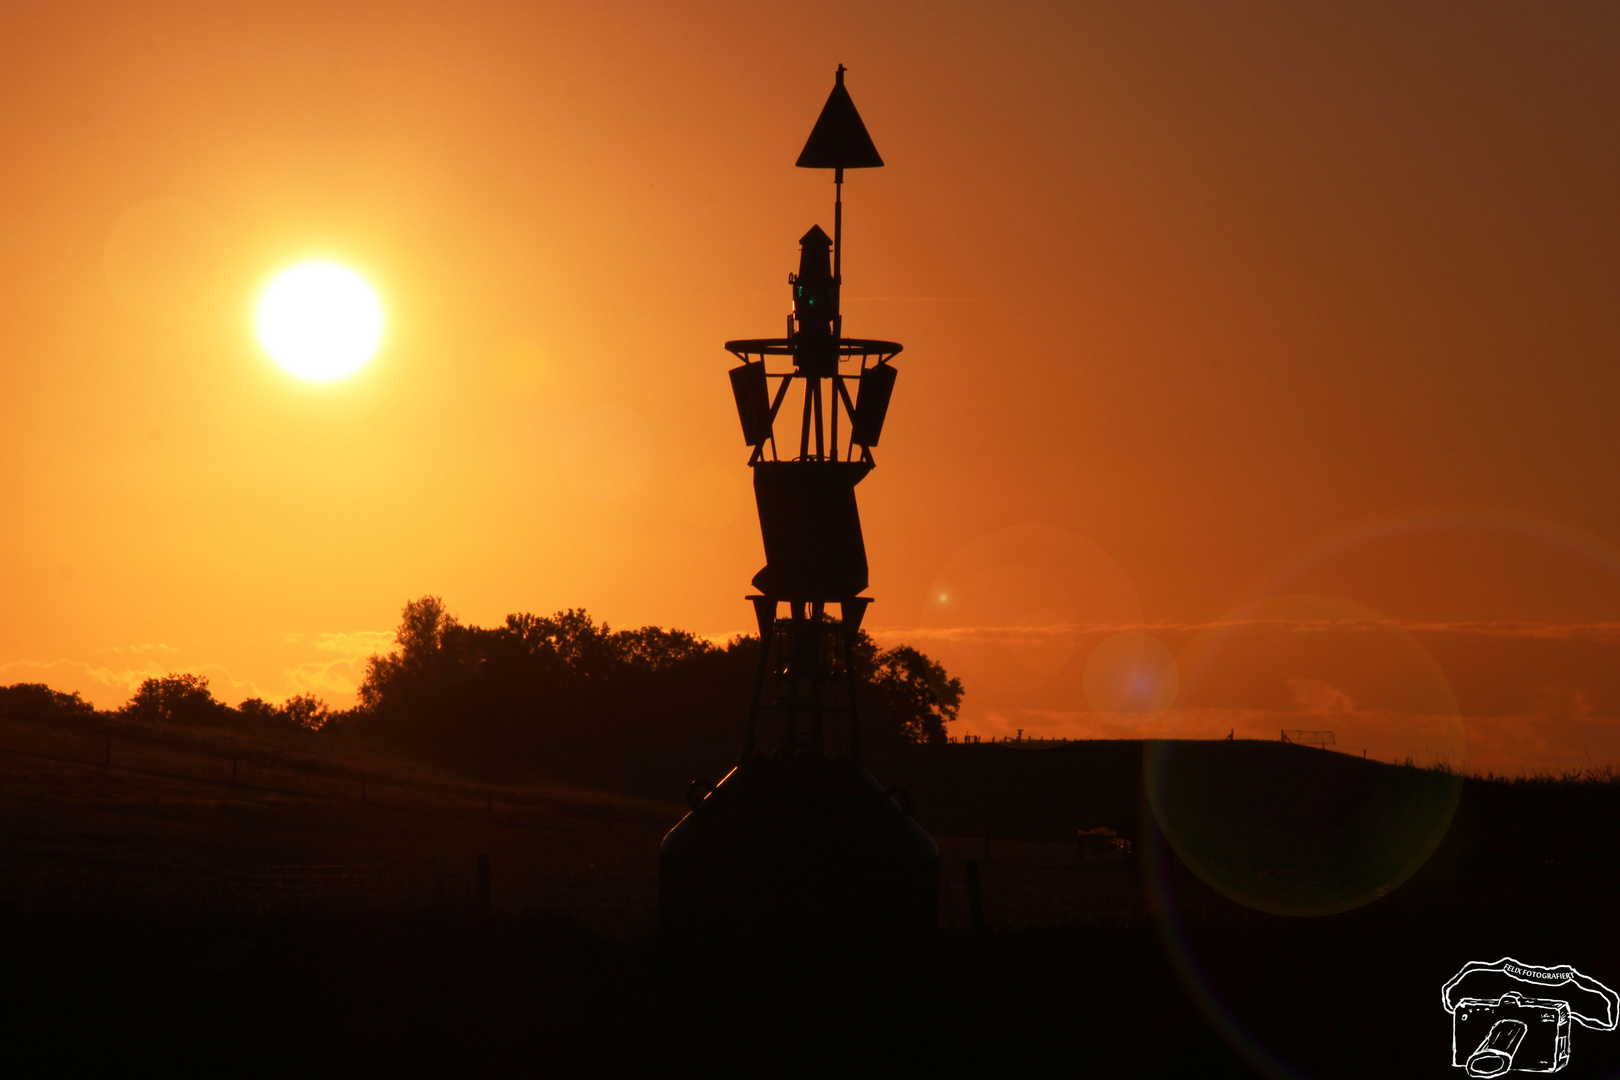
column 562, row 695
column 173, row 699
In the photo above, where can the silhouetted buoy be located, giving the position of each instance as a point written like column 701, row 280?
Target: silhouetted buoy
column 799, row 835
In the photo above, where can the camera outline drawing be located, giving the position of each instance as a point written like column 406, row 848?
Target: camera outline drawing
column 1509, row 1016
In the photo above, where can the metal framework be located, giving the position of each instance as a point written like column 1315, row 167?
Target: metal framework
column 815, row 554
column 871, row 353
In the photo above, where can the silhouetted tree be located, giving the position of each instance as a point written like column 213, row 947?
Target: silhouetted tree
column 258, row 712
column 177, row 699
column 420, row 637
column 648, row 708
column 304, row 712
column 39, row 698
column 911, row 698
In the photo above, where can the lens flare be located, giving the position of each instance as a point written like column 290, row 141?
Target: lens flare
column 166, row 259
column 1295, row 830
column 1194, row 974
column 1009, row 610
column 1208, row 673
column 1131, row 676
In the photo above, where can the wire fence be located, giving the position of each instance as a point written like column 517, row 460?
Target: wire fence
column 124, row 818
column 263, row 771
column 461, row 847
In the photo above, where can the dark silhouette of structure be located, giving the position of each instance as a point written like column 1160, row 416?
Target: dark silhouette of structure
column 799, row 833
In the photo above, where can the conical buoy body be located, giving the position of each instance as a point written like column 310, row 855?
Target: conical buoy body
column 799, row 843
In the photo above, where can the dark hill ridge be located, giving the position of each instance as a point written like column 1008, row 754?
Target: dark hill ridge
column 1247, row 808
column 1047, row 792
column 1249, row 813
column 226, row 892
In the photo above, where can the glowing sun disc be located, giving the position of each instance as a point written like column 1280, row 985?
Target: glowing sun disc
column 319, row 321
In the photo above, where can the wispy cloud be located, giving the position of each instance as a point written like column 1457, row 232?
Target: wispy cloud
column 108, row 687
column 105, row 686
column 1548, row 701
column 140, row 650
column 337, row 680
column 333, row 672
column 352, row 643
column 1591, row 631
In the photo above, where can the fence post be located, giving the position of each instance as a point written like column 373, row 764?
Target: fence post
column 483, row 884
column 975, row 897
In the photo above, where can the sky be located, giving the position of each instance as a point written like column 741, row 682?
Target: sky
column 1260, row 359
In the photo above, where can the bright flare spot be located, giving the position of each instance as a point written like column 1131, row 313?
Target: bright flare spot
column 319, row 321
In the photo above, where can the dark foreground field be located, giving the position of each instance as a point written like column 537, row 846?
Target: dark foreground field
column 156, row 914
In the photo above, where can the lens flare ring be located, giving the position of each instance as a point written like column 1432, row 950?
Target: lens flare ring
column 1157, row 853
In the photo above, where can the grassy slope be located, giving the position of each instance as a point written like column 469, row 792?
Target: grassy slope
column 154, row 909
column 164, row 827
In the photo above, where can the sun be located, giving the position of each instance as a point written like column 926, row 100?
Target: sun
column 319, row 321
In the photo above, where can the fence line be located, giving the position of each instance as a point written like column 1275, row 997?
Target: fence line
column 1026, row 883
column 251, row 771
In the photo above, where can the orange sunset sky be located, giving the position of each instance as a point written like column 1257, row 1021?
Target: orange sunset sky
column 1260, row 361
